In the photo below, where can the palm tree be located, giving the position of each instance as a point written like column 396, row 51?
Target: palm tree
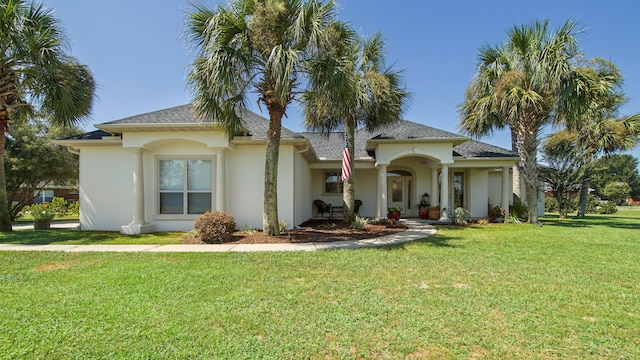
column 351, row 87
column 257, row 45
column 524, row 84
column 37, row 77
column 597, row 128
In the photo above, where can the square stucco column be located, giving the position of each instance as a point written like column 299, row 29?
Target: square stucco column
column 221, row 185
column 138, row 224
column 382, row 192
column 506, row 191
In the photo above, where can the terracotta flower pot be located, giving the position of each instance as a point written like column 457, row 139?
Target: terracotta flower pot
column 41, row 224
column 423, row 212
column 434, row 213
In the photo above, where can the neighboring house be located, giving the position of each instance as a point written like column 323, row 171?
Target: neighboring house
column 158, row 171
column 48, row 193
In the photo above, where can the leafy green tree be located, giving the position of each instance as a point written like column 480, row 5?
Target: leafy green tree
column 36, row 75
column 565, row 168
column 350, row 86
column 257, row 46
column 598, row 129
column 527, row 83
column 616, row 167
column 617, row 191
column 33, row 162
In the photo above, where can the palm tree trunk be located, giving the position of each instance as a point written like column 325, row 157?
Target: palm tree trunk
column 584, row 193
column 270, row 200
column 528, row 144
column 348, row 195
column 5, row 219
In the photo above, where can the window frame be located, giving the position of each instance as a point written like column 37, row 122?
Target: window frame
column 340, row 184
column 185, row 191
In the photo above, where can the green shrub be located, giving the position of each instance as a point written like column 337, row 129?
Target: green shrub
column 74, row 207
column 59, row 205
column 359, row 223
column 282, row 226
column 519, row 210
column 215, row 227
column 460, row 216
column 550, row 204
column 608, row 208
column 494, row 212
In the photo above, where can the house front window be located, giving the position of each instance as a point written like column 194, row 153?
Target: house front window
column 185, row 186
column 332, row 182
column 44, row 196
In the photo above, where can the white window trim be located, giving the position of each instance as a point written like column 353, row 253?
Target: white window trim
column 157, row 191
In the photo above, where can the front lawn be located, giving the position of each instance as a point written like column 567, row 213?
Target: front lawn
column 568, row 289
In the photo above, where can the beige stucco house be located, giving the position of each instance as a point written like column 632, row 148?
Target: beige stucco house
column 159, row 171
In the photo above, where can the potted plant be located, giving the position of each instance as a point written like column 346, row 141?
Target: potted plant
column 423, row 207
column 394, row 213
column 434, row 213
column 42, row 215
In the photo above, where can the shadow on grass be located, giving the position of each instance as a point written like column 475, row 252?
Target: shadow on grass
column 618, row 222
column 434, row 240
column 58, row 236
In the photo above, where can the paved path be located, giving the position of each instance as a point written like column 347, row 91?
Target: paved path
column 417, row 229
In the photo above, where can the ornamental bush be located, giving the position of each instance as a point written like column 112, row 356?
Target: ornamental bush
column 215, row 227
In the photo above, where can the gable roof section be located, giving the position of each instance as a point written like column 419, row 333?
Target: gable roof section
column 409, row 130
column 183, row 117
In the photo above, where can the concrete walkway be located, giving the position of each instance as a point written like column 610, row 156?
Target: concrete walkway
column 417, row 229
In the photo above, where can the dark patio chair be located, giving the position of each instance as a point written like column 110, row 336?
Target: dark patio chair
column 356, row 208
column 322, row 207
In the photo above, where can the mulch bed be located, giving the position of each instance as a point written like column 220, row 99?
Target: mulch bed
column 310, row 231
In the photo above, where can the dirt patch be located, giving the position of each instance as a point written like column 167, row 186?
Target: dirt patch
column 311, row 231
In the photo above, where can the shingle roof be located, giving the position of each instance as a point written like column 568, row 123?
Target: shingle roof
column 475, row 149
column 330, row 148
column 326, row 147
column 93, row 135
column 256, row 125
column 410, row 130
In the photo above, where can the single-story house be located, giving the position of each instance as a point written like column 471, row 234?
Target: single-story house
column 159, row 171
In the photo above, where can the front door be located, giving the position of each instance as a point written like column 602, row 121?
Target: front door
column 397, row 193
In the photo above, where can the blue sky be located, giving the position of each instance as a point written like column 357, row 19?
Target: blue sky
column 136, row 51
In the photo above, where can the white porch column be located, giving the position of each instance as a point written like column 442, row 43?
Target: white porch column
column 506, row 191
column 138, row 225
column 381, row 209
column 434, row 187
column 221, row 186
column 444, row 193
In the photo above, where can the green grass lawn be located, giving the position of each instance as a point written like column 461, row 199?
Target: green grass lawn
column 568, row 289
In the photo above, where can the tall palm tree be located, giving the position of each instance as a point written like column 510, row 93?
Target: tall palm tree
column 37, row 76
column 523, row 84
column 350, row 87
column 256, row 45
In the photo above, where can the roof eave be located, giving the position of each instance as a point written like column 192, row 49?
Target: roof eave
column 120, row 128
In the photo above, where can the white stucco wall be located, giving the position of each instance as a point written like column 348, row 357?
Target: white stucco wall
column 479, row 192
column 245, row 184
column 106, row 187
column 302, row 192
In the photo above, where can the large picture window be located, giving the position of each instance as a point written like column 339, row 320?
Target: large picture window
column 184, row 186
column 332, row 182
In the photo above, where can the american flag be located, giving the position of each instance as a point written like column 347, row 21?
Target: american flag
column 346, row 162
